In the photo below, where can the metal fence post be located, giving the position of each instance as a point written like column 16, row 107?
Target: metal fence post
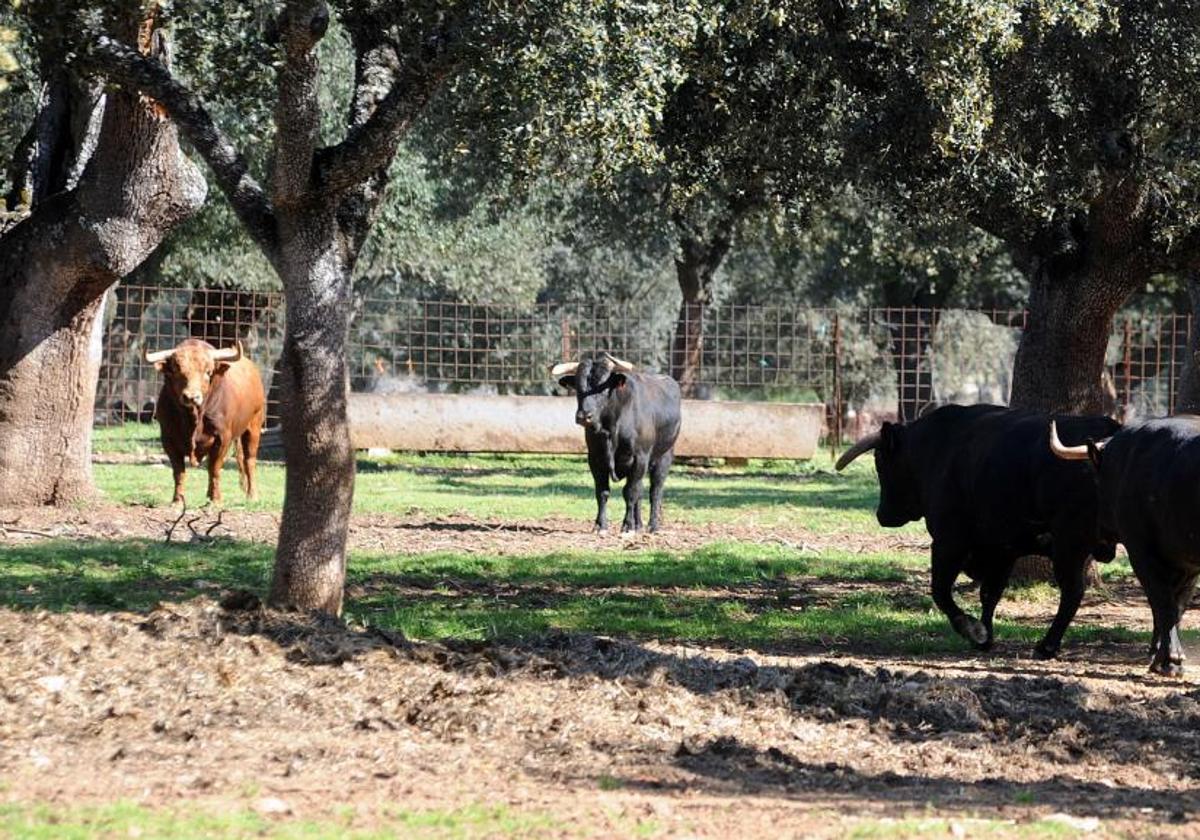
column 836, row 439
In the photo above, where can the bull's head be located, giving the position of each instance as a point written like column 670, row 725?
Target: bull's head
column 190, row 367
column 899, row 493
column 595, row 380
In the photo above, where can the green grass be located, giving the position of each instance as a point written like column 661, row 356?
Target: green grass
column 767, row 493
column 736, row 593
column 124, row 819
column 969, row 827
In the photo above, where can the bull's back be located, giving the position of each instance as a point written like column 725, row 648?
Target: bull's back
column 1150, row 474
column 238, row 397
column 1021, row 484
column 660, row 404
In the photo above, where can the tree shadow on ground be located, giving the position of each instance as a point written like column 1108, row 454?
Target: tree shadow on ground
column 727, row 767
column 1014, row 706
column 1056, row 719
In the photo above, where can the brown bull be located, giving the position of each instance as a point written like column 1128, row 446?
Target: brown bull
column 210, row 399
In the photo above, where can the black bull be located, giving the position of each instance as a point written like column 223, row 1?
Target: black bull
column 631, row 421
column 991, row 491
column 1149, row 483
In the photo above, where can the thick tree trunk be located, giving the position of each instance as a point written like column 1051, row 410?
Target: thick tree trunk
column 59, row 263
column 1188, row 400
column 310, row 561
column 1060, row 360
column 695, row 268
column 1059, row 365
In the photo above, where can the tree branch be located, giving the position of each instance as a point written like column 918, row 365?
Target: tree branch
column 370, row 145
column 302, row 24
column 125, row 65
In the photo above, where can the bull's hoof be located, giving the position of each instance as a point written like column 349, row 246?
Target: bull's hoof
column 629, row 529
column 1046, row 651
column 1169, row 668
column 983, row 646
column 971, row 629
column 600, row 528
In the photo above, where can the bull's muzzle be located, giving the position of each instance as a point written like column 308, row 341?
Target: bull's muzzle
column 582, row 418
column 194, row 398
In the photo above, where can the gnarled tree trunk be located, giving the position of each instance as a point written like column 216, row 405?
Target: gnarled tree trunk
column 60, row 261
column 1073, row 297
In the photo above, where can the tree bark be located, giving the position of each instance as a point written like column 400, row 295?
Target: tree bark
column 1083, row 270
column 1188, row 400
column 310, row 563
column 1087, row 267
column 1059, row 365
column 695, row 268
column 59, row 264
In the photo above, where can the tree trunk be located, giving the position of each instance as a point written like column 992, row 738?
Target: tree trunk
column 1060, row 361
column 1188, row 401
column 695, row 268
column 310, row 561
column 59, row 263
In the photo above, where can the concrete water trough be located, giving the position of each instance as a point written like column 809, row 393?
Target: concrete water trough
column 484, row 423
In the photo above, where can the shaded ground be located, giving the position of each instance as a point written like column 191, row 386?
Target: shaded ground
column 421, row 534
column 196, row 703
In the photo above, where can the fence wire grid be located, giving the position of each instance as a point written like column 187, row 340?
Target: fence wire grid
column 864, row 364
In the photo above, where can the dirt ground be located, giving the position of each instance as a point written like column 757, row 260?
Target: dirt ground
column 401, row 534
column 236, row 705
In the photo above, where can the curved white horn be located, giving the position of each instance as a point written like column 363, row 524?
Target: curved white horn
column 563, row 368
column 1070, row 453
column 865, row 445
column 619, row 364
column 153, row 358
column 228, row 354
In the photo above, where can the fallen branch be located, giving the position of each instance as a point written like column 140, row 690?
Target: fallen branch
column 175, row 524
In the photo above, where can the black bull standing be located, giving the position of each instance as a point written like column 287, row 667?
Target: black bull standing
column 1149, row 483
column 990, row 491
column 630, row 422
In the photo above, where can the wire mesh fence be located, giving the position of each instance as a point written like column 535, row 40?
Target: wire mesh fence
column 864, row 364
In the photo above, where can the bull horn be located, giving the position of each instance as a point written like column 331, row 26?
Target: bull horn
column 864, row 445
column 563, row 368
column 619, row 364
column 153, row 358
column 1071, row 453
column 228, row 354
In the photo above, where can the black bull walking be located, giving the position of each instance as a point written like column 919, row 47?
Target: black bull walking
column 990, row 491
column 630, row 423
column 1149, row 483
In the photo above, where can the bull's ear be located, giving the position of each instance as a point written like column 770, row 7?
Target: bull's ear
column 617, row 380
column 567, row 382
column 1094, row 454
column 159, row 365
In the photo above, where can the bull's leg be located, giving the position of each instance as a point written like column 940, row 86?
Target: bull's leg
column 1069, row 566
column 990, row 589
column 633, row 496
column 947, row 564
column 216, row 461
column 1167, row 652
column 179, row 471
column 249, row 459
column 658, row 478
column 599, row 461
